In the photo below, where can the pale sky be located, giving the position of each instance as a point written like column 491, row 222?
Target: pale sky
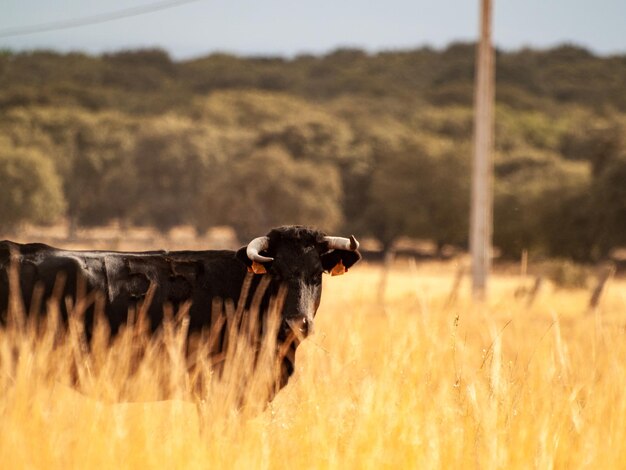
column 282, row 27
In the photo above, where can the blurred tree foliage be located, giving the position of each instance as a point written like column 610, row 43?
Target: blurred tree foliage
column 376, row 144
column 31, row 189
column 539, row 205
column 171, row 160
column 271, row 188
column 418, row 186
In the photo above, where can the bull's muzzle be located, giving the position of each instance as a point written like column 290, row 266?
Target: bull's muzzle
column 300, row 326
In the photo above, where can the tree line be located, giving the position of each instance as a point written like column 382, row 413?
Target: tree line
column 376, row 144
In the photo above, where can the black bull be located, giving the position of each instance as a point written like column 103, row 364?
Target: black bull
column 293, row 258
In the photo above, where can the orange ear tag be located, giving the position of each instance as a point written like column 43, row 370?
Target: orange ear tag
column 257, row 268
column 339, row 269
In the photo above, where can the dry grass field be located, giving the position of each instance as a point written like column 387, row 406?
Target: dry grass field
column 414, row 382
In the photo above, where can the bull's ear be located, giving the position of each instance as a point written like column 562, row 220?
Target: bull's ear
column 339, row 261
column 253, row 266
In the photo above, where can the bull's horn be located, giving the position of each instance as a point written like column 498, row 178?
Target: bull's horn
column 256, row 245
column 340, row 243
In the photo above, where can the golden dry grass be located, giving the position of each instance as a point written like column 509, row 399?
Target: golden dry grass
column 413, row 383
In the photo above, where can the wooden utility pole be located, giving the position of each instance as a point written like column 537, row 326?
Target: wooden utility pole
column 481, row 220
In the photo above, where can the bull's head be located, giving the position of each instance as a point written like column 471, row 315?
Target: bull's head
column 295, row 257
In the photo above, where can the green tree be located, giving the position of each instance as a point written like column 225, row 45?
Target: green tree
column 91, row 153
column 540, row 205
column 100, row 182
column 419, row 187
column 171, row 158
column 609, row 206
column 31, row 189
column 567, row 221
column 271, row 188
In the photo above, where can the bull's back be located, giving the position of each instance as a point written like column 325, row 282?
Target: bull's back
column 122, row 279
column 36, row 267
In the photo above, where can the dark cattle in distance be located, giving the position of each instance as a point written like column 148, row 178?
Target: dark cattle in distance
column 289, row 258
